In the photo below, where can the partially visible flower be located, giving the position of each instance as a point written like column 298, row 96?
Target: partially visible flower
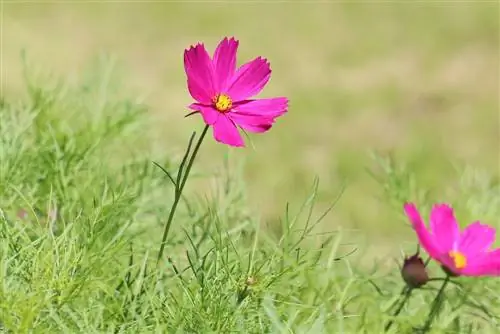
column 414, row 272
column 224, row 93
column 466, row 252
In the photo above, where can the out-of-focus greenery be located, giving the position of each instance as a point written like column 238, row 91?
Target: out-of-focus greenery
column 417, row 80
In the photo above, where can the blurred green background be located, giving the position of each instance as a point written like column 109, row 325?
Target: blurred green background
column 417, row 80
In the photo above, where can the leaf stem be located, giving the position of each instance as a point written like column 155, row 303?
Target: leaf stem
column 406, row 293
column 436, row 305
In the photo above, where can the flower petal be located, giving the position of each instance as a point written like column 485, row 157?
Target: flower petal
column 249, row 79
column 226, row 132
column 273, row 107
column 486, row 265
column 424, row 237
column 251, row 123
column 477, row 238
column 224, row 63
column 209, row 114
column 444, row 227
column 199, row 71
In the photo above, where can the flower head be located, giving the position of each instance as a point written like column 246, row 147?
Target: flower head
column 466, row 252
column 224, row 94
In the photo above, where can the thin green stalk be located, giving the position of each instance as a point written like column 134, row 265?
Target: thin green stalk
column 178, row 193
column 406, row 293
column 436, row 305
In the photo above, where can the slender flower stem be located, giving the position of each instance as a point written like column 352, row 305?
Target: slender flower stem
column 406, row 293
column 436, row 305
column 179, row 187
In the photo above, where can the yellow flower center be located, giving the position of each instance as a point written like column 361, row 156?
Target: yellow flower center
column 459, row 259
column 222, row 102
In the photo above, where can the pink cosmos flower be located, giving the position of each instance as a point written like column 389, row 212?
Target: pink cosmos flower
column 224, row 93
column 466, row 252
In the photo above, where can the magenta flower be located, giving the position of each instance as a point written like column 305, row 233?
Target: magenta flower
column 466, row 252
column 223, row 93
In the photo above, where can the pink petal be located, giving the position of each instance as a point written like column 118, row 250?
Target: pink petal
column 198, row 67
column 224, row 62
column 251, row 123
column 476, row 239
column 444, row 227
column 209, row 114
column 485, row 265
column 273, row 107
column 249, row 79
column 425, row 238
column 226, row 132
column 492, row 269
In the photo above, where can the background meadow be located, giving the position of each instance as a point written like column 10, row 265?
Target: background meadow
column 389, row 102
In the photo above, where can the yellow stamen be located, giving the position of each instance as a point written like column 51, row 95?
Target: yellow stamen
column 222, row 102
column 459, row 259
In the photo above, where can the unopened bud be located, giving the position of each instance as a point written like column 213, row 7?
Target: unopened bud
column 414, row 272
column 251, row 281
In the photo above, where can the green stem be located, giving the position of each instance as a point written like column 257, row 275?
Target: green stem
column 407, row 290
column 178, row 194
column 436, row 305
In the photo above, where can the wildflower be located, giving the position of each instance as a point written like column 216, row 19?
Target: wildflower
column 224, row 93
column 414, row 272
column 466, row 252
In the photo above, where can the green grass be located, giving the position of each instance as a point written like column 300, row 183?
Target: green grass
column 389, row 103
column 83, row 208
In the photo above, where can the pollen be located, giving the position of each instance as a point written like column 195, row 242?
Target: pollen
column 459, row 259
column 222, row 102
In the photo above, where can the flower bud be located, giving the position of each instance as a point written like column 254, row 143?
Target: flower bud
column 414, row 272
